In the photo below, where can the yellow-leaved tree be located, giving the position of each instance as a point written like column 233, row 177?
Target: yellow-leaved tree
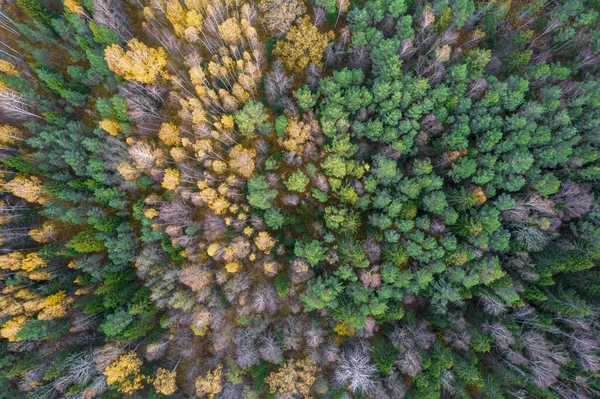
column 125, row 373
column 296, row 377
column 186, row 23
column 11, row 261
column 11, row 328
column 128, row 171
column 171, row 179
column 139, row 63
column 241, row 160
column 230, row 31
column 304, row 44
column 210, row 385
column 164, row 382
column 33, row 261
column 279, row 14
column 8, row 68
column 47, row 232
column 169, row 134
column 265, row 242
column 297, row 136
column 9, row 134
column 111, row 126
column 29, row 188
column 74, row 7
column 55, row 306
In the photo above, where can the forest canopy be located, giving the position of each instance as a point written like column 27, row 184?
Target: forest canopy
column 333, row 199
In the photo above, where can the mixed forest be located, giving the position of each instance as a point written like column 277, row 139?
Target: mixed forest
column 326, row 199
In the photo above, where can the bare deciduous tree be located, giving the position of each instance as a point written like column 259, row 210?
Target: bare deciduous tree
column 277, row 83
column 355, row 370
column 110, row 13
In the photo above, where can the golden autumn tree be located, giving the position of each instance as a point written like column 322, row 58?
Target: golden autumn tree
column 169, row 134
column 178, row 154
column 9, row 134
column 271, row 268
column 219, row 166
column 33, row 261
column 164, row 383
column 241, row 160
column 39, row 275
column 210, row 385
column 55, row 306
column 139, row 63
column 442, row 54
column 187, row 23
column 11, row 328
column 233, row 267
column 200, row 323
column 74, row 7
column 171, row 179
column 280, row 14
column 11, row 261
column 230, row 31
column 18, row 301
column 46, row 233
column 265, row 242
column 297, row 136
column 128, row 171
column 8, row 68
column 304, row 44
column 125, row 373
column 9, row 306
column 176, row 15
column 29, row 188
column 296, row 378
column 342, row 6
column 111, row 126
column 238, row 249
column 216, row 202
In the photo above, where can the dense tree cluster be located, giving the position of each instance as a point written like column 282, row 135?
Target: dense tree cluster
column 299, row 199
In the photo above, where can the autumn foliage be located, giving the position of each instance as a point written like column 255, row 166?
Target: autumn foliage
column 287, row 199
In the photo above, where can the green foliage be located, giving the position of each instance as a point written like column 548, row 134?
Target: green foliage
column 85, row 242
column 274, row 219
column 297, row 182
column 384, row 356
column 43, row 329
column 115, row 323
column 23, row 365
column 259, row 194
column 313, row 251
column 445, row 176
column 37, row 10
column 59, row 364
column 435, row 202
column 253, row 119
column 259, row 372
column 282, row 285
column 564, row 302
column 353, row 253
column 396, row 255
column 334, row 166
column 306, row 99
column 321, row 293
column 103, row 35
column 280, row 124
